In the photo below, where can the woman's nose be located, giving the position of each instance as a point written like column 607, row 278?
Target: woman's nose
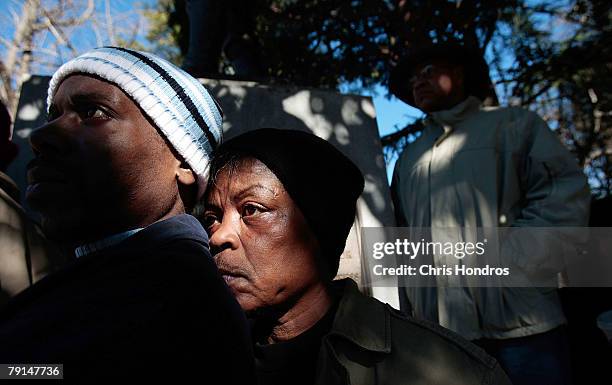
column 224, row 237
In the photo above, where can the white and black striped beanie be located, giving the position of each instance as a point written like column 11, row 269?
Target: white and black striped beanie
column 180, row 106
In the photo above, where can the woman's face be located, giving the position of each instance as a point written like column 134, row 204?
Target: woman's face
column 260, row 240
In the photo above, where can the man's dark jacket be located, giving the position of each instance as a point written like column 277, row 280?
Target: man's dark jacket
column 153, row 306
column 372, row 343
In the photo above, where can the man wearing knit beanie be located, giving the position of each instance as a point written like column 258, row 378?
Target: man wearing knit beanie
column 124, row 155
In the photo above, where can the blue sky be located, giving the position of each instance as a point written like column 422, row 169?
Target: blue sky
column 391, row 113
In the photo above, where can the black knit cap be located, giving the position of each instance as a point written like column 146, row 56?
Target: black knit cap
column 322, row 182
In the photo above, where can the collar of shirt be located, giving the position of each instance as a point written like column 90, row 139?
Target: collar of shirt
column 90, row 248
column 457, row 113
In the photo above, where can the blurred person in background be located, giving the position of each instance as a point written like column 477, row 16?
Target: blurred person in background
column 487, row 167
column 25, row 255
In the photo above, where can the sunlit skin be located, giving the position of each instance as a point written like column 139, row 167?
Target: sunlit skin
column 100, row 166
column 264, row 248
column 437, row 86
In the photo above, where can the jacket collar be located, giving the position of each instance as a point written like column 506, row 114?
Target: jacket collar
column 360, row 319
column 94, row 247
column 181, row 226
column 458, row 113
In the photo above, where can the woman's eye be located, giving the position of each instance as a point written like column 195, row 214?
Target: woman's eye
column 209, row 221
column 250, row 210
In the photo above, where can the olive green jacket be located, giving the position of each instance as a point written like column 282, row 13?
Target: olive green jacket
column 372, row 343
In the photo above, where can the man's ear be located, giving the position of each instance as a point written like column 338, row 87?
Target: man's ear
column 185, row 175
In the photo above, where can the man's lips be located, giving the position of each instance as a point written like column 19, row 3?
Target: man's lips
column 44, row 192
column 422, row 90
column 44, row 174
column 44, row 180
column 43, row 170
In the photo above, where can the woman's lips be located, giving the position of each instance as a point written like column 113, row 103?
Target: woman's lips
column 230, row 276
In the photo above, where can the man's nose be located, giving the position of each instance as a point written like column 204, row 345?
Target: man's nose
column 419, row 81
column 50, row 139
column 225, row 237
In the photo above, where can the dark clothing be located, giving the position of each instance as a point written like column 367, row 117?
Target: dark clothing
column 294, row 361
column 222, row 26
column 533, row 360
column 152, row 306
column 372, row 343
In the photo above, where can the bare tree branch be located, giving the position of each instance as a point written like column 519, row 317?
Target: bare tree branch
column 74, row 21
column 109, row 23
column 59, row 35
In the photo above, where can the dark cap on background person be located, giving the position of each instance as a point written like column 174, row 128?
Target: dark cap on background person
column 476, row 80
column 322, row 181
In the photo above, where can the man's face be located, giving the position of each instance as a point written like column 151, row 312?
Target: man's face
column 261, row 242
column 437, row 86
column 100, row 166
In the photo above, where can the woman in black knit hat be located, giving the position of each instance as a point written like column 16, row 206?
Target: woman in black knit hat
column 279, row 207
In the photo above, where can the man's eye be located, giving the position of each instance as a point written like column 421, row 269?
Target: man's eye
column 429, row 70
column 91, row 111
column 52, row 114
column 95, row 113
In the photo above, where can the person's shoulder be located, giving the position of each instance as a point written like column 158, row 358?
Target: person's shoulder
column 183, row 227
column 178, row 243
column 404, row 329
column 427, row 351
column 516, row 122
column 511, row 113
column 186, row 258
column 454, row 359
column 453, row 343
